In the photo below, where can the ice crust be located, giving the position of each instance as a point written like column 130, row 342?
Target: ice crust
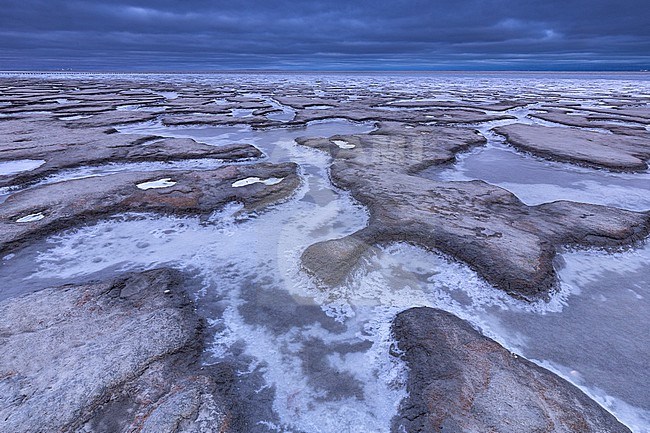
column 155, row 184
column 31, row 218
column 343, row 144
column 264, row 250
column 12, row 167
column 251, row 180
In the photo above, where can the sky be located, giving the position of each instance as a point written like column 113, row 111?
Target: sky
column 203, row 35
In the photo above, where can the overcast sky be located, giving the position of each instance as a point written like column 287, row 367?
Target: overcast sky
column 324, row 35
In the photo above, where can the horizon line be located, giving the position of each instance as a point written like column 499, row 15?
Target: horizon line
column 286, row 71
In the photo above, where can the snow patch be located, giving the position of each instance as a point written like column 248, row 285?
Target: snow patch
column 343, row 144
column 31, row 218
column 160, row 183
column 252, row 180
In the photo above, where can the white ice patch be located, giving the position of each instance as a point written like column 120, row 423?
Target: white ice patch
column 31, row 218
column 76, row 117
column 12, row 167
column 251, row 180
column 127, row 107
column 343, row 144
column 160, row 183
column 168, row 95
column 242, row 112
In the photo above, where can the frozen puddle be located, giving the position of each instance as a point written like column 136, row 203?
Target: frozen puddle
column 322, row 357
column 343, row 144
column 252, row 180
column 535, row 181
column 168, row 95
column 13, row 167
column 285, row 113
column 160, row 183
column 597, row 336
column 31, row 218
column 241, row 112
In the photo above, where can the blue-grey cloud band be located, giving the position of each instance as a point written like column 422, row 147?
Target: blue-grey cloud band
column 213, row 35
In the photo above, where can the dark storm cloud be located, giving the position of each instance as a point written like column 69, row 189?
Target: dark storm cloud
column 209, row 35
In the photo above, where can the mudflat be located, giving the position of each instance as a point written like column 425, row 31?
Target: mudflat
column 332, row 170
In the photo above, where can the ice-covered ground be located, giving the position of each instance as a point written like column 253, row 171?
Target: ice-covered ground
column 534, row 180
column 12, row 167
column 322, row 357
